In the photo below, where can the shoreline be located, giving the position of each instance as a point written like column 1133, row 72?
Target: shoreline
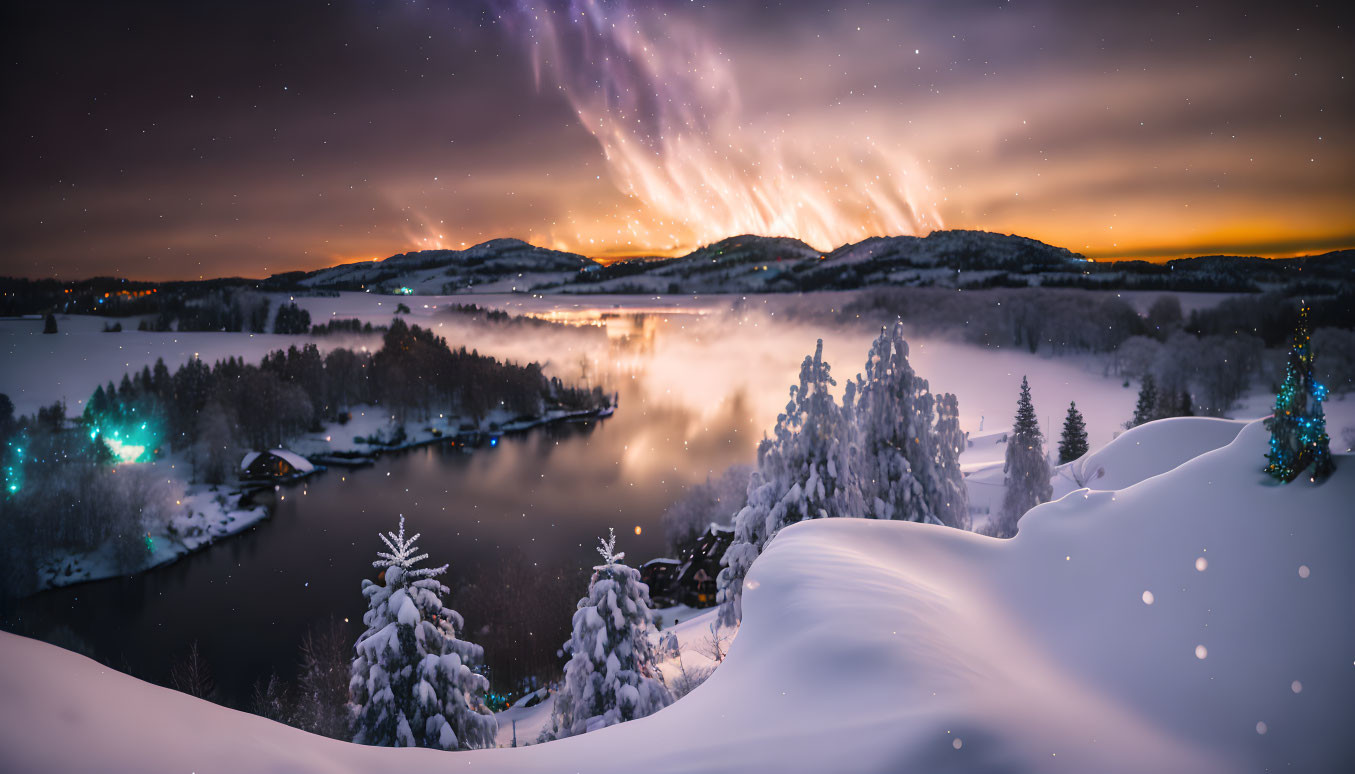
column 216, row 512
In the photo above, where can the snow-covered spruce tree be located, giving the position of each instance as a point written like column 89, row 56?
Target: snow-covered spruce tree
column 905, row 469
column 1146, row 409
column 1073, row 443
column 1298, row 428
column 412, row 684
column 951, row 503
column 802, row 473
column 610, row 677
column 1026, row 471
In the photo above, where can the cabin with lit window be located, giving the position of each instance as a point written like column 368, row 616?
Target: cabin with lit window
column 689, row 580
column 273, row 465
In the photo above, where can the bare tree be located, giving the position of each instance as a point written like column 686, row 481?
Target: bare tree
column 322, row 689
column 191, row 675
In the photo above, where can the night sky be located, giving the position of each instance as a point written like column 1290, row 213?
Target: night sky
column 167, row 140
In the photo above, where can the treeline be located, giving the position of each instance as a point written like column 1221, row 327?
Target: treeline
column 1211, row 372
column 352, row 326
column 214, row 411
column 477, row 313
column 1035, row 319
column 163, row 302
column 227, row 309
column 1205, row 360
column 1271, row 316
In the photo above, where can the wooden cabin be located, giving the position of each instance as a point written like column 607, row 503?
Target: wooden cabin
column 273, row 464
column 689, row 580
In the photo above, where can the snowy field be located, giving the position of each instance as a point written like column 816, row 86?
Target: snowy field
column 1196, row 620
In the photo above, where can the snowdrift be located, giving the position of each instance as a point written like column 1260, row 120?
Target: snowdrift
column 1146, row 451
column 1199, row 620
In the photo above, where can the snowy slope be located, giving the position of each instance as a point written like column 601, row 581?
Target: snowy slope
column 881, row 646
column 1145, row 451
column 499, row 265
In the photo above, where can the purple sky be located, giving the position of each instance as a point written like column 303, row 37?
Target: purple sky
column 178, row 140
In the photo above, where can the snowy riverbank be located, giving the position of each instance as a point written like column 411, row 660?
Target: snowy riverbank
column 205, row 514
column 209, row 514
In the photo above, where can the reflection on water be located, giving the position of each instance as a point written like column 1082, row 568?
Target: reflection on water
column 698, row 385
column 535, row 503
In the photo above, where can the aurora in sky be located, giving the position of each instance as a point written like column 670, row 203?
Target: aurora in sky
column 158, row 140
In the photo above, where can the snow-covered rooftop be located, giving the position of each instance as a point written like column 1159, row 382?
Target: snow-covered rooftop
column 299, row 464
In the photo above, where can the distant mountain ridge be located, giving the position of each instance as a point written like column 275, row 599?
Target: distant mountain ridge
column 448, row 271
column 757, row 264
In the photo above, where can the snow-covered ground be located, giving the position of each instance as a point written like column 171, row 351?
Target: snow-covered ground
column 1197, row 620
column 1122, row 464
column 204, row 515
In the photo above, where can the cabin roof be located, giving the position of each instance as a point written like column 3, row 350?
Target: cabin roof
column 299, row 464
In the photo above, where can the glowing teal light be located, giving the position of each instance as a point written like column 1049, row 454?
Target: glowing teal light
column 134, row 445
column 14, row 468
column 125, row 452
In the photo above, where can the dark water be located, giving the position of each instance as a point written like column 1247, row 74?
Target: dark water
column 533, row 505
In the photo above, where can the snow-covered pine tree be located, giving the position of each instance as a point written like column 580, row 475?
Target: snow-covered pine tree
column 904, row 467
column 610, row 677
column 1026, row 471
column 1146, row 409
column 412, row 683
column 802, row 474
column 951, row 499
column 893, row 418
column 1073, row 443
column 1298, row 428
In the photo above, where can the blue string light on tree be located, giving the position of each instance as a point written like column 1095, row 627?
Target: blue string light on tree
column 1298, row 429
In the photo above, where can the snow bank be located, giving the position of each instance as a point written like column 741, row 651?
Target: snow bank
column 1198, row 620
column 1145, row 451
column 206, row 514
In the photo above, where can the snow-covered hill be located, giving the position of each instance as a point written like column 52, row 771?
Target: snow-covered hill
column 500, row 265
column 759, row 264
column 754, row 264
column 1198, row 620
column 740, row 264
column 1124, row 461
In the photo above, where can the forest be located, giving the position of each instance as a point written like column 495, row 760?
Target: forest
column 65, row 493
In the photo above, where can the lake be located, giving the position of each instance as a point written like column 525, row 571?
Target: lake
column 517, row 523
column 525, row 513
